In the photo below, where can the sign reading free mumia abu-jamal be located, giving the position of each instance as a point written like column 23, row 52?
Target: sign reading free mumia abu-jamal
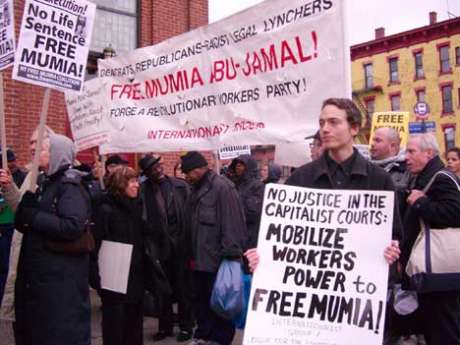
column 54, row 43
column 322, row 277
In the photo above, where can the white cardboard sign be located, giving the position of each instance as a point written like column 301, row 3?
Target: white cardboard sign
column 322, row 277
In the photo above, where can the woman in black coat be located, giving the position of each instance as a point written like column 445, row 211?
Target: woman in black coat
column 119, row 219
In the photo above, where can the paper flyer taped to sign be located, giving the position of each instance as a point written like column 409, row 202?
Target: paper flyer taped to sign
column 87, row 113
column 322, row 276
column 398, row 120
column 7, row 42
column 54, row 43
column 258, row 77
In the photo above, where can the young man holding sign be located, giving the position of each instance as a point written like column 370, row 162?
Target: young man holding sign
column 342, row 167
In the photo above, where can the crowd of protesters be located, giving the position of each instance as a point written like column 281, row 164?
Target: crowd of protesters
column 181, row 229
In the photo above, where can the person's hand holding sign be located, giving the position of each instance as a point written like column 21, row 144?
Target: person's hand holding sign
column 392, row 252
column 5, row 178
column 253, row 258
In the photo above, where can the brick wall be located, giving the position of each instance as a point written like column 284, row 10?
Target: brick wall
column 159, row 20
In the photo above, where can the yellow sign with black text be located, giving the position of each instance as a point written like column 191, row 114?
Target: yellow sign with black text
column 399, row 120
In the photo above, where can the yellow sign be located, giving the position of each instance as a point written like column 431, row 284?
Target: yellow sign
column 399, row 120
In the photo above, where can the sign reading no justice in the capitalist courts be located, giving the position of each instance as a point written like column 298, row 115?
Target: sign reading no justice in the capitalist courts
column 322, row 276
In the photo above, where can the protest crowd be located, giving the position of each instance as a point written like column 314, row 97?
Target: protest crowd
column 351, row 244
column 180, row 231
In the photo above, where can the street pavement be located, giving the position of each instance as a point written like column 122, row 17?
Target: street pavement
column 150, row 327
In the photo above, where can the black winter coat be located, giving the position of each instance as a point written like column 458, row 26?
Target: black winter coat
column 172, row 228
column 439, row 209
column 51, row 294
column 119, row 219
column 251, row 192
column 215, row 220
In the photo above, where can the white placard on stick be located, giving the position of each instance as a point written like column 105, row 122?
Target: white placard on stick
column 7, row 42
column 54, row 43
column 322, row 277
column 114, row 261
column 233, row 151
column 87, row 113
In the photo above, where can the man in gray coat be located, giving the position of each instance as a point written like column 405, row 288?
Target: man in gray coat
column 217, row 231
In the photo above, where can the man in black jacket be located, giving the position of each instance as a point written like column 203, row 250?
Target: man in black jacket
column 342, row 167
column 164, row 206
column 439, row 208
column 243, row 170
column 216, row 231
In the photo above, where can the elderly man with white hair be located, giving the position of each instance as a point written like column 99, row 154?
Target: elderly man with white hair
column 439, row 208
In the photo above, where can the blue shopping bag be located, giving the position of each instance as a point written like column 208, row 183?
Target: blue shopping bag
column 227, row 297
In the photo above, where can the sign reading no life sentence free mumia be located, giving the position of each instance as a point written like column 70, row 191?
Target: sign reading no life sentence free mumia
column 322, row 276
column 54, row 43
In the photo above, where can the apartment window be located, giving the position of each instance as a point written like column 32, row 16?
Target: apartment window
column 444, row 59
column 420, row 95
column 418, row 57
column 370, row 108
column 368, row 76
column 447, row 106
column 395, row 102
column 115, row 25
column 449, row 136
column 457, row 55
column 393, row 64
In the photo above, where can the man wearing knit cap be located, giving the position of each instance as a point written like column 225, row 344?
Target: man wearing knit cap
column 216, row 230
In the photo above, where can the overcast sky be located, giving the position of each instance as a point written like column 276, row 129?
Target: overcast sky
column 364, row 15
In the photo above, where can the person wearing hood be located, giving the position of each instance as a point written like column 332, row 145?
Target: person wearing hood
column 251, row 191
column 274, row 174
column 386, row 153
column 52, row 303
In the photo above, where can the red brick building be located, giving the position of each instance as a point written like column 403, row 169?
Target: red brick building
column 123, row 25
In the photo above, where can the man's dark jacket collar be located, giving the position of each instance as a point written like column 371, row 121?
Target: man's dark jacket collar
column 359, row 166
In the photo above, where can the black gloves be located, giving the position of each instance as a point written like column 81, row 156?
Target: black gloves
column 26, row 212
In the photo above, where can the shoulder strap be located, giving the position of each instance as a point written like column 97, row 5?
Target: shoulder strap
column 441, row 172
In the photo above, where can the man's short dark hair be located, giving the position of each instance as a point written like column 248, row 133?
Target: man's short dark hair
column 353, row 113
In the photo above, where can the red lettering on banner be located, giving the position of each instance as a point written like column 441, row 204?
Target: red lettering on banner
column 167, row 84
column 286, row 52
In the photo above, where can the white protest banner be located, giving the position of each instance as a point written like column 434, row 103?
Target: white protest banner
column 6, row 34
column 258, row 77
column 233, row 151
column 88, row 114
column 54, row 43
column 322, row 277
